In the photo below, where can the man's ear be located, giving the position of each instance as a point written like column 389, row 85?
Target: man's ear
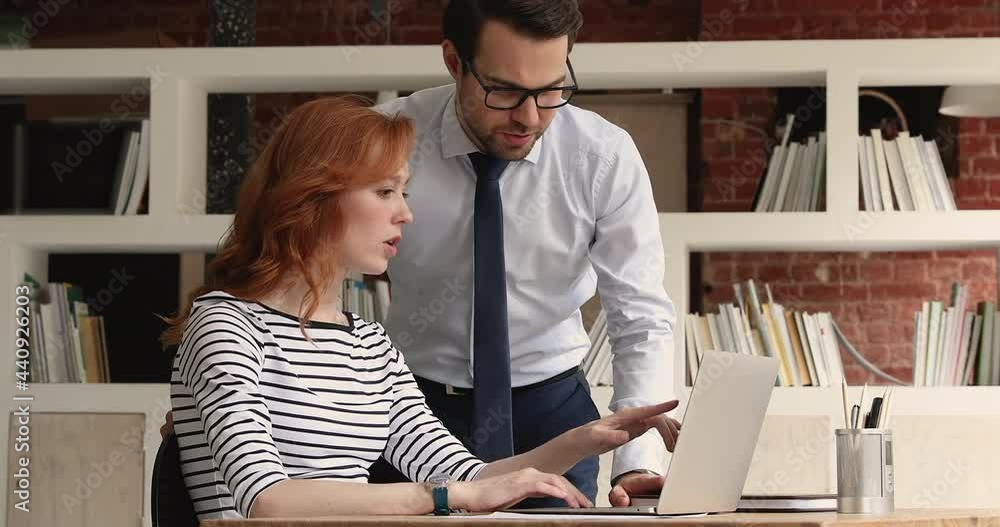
column 451, row 60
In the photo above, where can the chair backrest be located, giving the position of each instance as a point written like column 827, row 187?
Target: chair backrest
column 170, row 504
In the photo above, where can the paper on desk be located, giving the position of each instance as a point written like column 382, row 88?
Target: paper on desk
column 505, row 515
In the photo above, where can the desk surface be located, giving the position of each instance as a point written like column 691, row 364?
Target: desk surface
column 922, row 517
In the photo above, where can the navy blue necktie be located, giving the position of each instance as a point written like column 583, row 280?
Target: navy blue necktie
column 491, row 421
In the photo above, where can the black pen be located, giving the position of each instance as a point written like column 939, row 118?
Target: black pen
column 872, row 421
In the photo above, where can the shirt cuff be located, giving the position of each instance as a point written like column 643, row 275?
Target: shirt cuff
column 646, row 452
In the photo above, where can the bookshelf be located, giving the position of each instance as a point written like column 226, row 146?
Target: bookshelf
column 180, row 79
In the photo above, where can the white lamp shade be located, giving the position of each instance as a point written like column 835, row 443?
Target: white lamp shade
column 971, row 101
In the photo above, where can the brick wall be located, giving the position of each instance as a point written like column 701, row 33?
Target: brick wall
column 316, row 22
column 873, row 296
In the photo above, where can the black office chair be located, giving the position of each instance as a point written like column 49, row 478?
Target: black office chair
column 170, row 504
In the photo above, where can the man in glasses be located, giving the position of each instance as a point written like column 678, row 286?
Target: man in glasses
column 523, row 204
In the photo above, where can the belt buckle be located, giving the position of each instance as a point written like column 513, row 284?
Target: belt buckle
column 450, row 390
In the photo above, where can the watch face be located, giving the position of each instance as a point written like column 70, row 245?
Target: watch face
column 439, row 479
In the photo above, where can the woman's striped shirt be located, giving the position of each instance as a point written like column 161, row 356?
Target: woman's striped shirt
column 255, row 403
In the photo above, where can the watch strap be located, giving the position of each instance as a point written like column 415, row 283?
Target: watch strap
column 440, row 495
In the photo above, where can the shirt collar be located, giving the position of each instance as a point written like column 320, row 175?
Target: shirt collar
column 455, row 142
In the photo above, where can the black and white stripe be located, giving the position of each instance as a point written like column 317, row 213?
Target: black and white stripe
column 255, row 403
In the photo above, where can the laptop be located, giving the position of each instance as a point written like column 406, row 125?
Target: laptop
column 711, row 460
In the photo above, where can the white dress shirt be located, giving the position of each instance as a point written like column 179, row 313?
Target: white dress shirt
column 578, row 213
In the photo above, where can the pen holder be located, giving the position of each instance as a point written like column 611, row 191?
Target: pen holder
column 864, row 471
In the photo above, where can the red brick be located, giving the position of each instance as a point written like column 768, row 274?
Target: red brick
column 972, row 146
column 853, row 331
column 773, row 273
column 979, row 270
column 806, row 273
column 845, row 313
column 722, row 107
column 854, row 373
column 714, row 149
column 877, row 333
column 846, row 272
column 784, row 293
column 878, row 353
column 822, row 292
column 718, row 295
column 994, row 188
column 751, row 146
column 886, row 292
column 899, row 256
column 876, row 270
column 719, row 257
column 874, row 311
column 765, row 26
column 976, row 203
column 721, row 272
column 758, row 6
column 817, row 26
column 972, row 126
column 948, row 270
column 992, row 125
column 843, row 6
column 986, row 166
column 910, row 271
column 855, row 292
column 746, row 271
column 944, row 21
column 969, row 253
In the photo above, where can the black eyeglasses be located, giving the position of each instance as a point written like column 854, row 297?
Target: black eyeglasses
column 509, row 98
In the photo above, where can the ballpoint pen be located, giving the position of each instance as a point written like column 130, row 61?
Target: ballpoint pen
column 855, row 410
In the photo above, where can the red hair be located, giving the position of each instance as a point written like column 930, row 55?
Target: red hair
column 289, row 212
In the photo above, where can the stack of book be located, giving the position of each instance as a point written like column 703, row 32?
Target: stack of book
column 805, row 344
column 905, row 173
column 66, row 343
column 369, row 304
column 795, row 176
column 956, row 347
column 132, row 171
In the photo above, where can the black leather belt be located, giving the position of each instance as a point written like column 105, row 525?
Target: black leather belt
column 428, row 385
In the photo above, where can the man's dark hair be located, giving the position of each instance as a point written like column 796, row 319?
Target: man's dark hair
column 541, row 19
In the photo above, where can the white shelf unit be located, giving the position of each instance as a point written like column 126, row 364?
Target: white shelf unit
column 180, row 79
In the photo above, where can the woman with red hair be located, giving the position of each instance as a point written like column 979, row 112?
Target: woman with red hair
column 282, row 400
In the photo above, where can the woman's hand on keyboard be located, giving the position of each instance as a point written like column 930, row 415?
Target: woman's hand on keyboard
column 504, row 491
